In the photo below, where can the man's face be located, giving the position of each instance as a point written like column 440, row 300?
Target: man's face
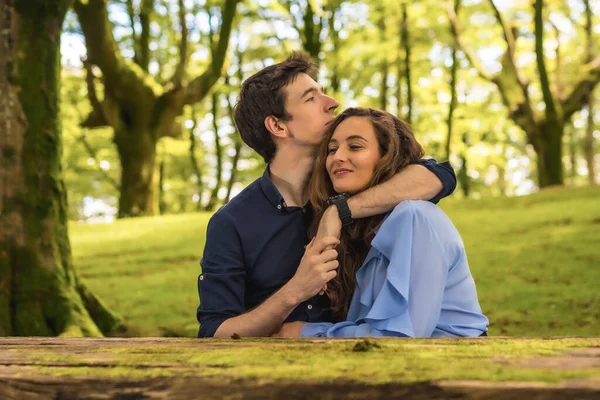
column 311, row 111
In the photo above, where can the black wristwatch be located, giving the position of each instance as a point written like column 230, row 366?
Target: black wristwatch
column 341, row 203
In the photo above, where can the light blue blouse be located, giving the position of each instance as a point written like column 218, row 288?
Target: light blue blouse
column 414, row 282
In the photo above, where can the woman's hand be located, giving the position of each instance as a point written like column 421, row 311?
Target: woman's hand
column 330, row 224
column 290, row 330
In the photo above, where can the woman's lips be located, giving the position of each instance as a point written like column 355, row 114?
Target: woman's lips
column 341, row 172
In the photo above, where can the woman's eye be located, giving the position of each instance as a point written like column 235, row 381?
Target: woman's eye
column 355, row 147
column 331, row 150
column 310, row 99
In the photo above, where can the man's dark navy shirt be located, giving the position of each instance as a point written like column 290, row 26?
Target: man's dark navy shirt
column 254, row 245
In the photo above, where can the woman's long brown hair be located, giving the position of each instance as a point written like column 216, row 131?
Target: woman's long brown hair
column 398, row 148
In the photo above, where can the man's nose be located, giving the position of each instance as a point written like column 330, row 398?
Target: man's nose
column 331, row 104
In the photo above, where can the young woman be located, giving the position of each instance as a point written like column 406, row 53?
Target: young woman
column 400, row 274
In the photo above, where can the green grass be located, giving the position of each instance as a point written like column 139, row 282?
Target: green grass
column 535, row 259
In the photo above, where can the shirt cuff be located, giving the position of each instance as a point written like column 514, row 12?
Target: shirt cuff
column 315, row 329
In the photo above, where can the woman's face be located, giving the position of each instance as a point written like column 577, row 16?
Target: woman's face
column 352, row 154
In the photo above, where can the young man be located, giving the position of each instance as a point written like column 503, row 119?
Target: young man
column 259, row 269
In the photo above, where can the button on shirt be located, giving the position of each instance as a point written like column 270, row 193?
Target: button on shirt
column 254, row 245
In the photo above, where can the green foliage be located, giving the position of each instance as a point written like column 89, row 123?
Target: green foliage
column 533, row 258
column 353, row 49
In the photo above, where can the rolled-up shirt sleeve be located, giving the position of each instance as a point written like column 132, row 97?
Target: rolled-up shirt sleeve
column 445, row 174
column 222, row 283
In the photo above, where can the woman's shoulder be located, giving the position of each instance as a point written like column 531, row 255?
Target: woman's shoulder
column 415, row 213
column 415, row 209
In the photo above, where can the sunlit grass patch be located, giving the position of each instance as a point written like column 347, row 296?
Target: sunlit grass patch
column 535, row 260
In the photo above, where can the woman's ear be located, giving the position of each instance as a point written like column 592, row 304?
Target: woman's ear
column 276, row 127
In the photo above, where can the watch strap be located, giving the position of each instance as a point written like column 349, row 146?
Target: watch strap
column 341, row 203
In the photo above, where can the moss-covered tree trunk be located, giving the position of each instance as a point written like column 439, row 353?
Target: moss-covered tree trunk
column 40, row 293
column 137, row 152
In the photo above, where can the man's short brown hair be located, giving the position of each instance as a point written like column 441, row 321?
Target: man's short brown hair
column 262, row 95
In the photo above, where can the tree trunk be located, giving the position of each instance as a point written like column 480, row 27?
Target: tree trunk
column 589, row 147
column 40, row 293
column 453, row 97
column 463, row 174
column 501, row 180
column 399, row 74
column 135, row 104
column 570, row 131
column 194, row 160
column 234, row 167
column 214, row 195
column 549, row 165
column 334, row 55
column 137, row 152
column 384, row 68
column 407, row 72
column 162, row 205
column 312, row 32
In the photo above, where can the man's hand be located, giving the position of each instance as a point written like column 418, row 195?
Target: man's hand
column 330, row 224
column 317, row 267
column 290, row 330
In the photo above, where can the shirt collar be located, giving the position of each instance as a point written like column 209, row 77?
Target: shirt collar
column 269, row 189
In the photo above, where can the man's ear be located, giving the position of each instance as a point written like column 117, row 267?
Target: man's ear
column 276, row 127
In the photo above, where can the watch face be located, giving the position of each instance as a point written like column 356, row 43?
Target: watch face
column 339, row 196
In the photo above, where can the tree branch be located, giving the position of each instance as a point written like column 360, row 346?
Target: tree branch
column 582, row 90
column 131, row 13
column 179, row 73
column 509, row 36
column 92, row 153
column 473, row 60
column 197, row 89
column 144, row 45
column 513, row 89
column 559, row 84
column 96, row 118
column 551, row 111
column 125, row 79
column 211, row 34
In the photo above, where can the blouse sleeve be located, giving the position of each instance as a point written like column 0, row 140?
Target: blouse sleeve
column 409, row 302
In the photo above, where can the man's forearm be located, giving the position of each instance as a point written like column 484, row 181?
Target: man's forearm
column 262, row 321
column 415, row 182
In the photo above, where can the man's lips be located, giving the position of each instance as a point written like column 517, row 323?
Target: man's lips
column 341, row 171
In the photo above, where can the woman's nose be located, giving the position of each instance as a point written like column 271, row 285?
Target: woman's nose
column 340, row 155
